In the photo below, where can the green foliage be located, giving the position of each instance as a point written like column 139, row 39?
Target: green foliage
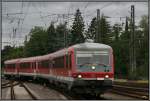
column 91, row 33
column 120, row 46
column 11, row 53
column 116, row 31
column 105, row 30
column 36, row 45
column 60, row 39
column 77, row 29
column 51, row 39
column 45, row 41
column 7, row 50
column 143, row 45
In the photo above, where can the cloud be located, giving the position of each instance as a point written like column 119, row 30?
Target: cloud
column 43, row 13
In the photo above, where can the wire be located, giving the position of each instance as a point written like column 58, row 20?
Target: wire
column 24, row 17
column 39, row 13
column 105, row 6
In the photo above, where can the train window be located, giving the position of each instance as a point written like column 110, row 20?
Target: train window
column 6, row 66
column 45, row 63
column 39, row 64
column 10, row 65
column 33, row 65
column 25, row 65
column 59, row 62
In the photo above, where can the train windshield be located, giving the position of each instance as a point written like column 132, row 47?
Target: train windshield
column 93, row 61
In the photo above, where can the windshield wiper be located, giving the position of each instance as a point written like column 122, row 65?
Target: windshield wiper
column 103, row 64
column 93, row 64
column 84, row 64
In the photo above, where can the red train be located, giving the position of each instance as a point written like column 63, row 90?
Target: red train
column 86, row 67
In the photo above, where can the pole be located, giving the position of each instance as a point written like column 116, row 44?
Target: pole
column 134, row 39
column 65, row 35
column 98, row 34
column 132, row 45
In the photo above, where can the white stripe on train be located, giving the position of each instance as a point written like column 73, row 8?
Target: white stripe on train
column 52, row 77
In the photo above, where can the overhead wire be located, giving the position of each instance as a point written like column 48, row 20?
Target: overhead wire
column 33, row 4
column 24, row 17
column 58, row 17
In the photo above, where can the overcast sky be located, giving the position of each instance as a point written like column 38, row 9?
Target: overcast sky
column 26, row 15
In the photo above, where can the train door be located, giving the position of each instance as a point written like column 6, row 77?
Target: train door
column 69, row 62
column 72, row 60
column 50, row 66
column 17, row 68
column 31, row 67
column 36, row 67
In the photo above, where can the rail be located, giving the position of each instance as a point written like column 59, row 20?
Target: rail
column 29, row 92
column 11, row 84
column 13, row 97
column 4, row 84
column 128, row 90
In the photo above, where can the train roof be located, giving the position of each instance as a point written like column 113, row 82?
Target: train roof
column 88, row 45
column 28, row 59
column 36, row 58
column 11, row 61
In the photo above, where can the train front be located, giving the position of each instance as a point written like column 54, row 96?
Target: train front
column 93, row 70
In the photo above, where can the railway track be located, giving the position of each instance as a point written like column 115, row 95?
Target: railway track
column 128, row 90
column 29, row 92
column 4, row 84
column 140, row 92
column 12, row 93
column 12, row 85
column 71, row 95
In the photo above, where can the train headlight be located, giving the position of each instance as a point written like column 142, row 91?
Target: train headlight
column 93, row 67
column 79, row 76
column 106, row 76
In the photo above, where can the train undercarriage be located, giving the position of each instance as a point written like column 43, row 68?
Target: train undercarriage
column 78, row 86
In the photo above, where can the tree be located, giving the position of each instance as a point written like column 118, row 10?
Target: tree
column 37, row 43
column 61, row 32
column 143, row 45
column 7, row 50
column 105, row 30
column 124, row 42
column 77, row 29
column 116, row 31
column 11, row 53
column 92, row 29
column 120, row 50
column 52, row 39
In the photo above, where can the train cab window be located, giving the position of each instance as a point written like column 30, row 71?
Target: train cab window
column 59, row 62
